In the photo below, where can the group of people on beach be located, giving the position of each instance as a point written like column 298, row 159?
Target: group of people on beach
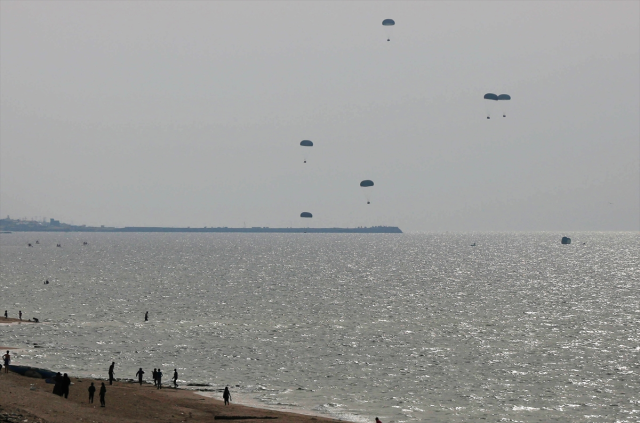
column 6, row 316
column 157, row 376
column 103, row 393
column 61, row 385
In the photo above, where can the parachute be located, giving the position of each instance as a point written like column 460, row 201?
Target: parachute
column 306, row 143
column 494, row 97
column 366, row 184
column 388, row 23
column 306, row 214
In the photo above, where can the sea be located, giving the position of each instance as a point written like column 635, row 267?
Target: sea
column 404, row 327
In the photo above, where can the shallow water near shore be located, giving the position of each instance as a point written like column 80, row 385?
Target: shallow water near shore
column 404, row 327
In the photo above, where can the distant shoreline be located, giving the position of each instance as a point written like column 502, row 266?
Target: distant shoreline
column 70, row 228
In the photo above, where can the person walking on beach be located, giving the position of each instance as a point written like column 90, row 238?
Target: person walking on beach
column 103, row 392
column 7, row 359
column 226, row 395
column 159, row 377
column 175, row 378
column 139, row 374
column 66, row 382
column 92, row 390
column 6, row 316
column 20, row 314
column 146, row 316
column 111, row 372
column 155, row 377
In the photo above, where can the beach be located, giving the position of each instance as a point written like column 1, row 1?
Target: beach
column 13, row 321
column 28, row 399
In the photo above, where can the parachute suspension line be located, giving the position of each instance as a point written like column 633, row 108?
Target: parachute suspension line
column 388, row 24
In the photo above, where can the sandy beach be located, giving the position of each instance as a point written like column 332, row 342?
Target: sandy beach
column 26, row 399
column 13, row 321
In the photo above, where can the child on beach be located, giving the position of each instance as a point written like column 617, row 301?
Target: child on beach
column 7, row 359
column 226, row 395
column 92, row 390
column 103, row 392
column 139, row 374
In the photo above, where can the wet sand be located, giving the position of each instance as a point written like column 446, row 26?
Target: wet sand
column 12, row 321
column 33, row 401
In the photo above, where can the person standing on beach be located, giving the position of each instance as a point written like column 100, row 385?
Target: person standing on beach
column 6, row 316
column 139, row 374
column 175, row 378
column 146, row 316
column 57, row 387
column 20, row 314
column 66, row 382
column 6, row 358
column 103, row 392
column 111, row 372
column 226, row 395
column 92, row 390
column 155, row 377
column 159, row 377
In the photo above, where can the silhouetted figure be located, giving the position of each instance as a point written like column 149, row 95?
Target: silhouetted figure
column 139, row 374
column 57, row 387
column 111, row 379
column 46, row 282
column 66, row 382
column 6, row 358
column 29, row 245
column 159, row 377
column 103, row 392
column 20, row 314
column 226, row 395
column 59, row 245
column 92, row 390
column 377, row 419
column 146, row 316
column 175, row 378
column 155, row 377
column 35, row 319
column 6, row 316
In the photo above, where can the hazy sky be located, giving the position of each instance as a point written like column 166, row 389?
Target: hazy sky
column 191, row 114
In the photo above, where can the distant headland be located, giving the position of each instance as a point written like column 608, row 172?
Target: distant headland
column 17, row 225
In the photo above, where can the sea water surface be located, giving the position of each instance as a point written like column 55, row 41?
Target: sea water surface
column 405, row 327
